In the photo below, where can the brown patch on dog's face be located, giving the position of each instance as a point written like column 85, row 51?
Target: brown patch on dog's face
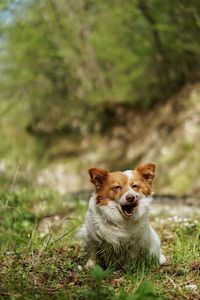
column 117, row 185
column 108, row 185
column 98, row 177
column 112, row 185
column 142, row 178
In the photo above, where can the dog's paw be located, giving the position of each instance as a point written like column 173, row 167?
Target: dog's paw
column 90, row 264
column 162, row 259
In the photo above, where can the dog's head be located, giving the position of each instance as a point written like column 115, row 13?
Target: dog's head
column 126, row 189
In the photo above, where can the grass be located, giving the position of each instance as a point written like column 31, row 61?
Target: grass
column 39, row 258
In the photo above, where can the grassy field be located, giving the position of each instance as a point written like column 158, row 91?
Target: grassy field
column 40, row 259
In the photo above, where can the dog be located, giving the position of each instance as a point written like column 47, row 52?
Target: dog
column 116, row 226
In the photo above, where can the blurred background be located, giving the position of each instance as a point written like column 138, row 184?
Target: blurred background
column 99, row 83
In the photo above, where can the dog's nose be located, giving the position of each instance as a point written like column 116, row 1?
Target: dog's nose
column 132, row 199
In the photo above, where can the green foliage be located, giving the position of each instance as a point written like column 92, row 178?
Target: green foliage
column 97, row 273
column 64, row 59
column 17, row 219
column 144, row 291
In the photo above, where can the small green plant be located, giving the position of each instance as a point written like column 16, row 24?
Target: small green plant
column 145, row 292
column 97, row 273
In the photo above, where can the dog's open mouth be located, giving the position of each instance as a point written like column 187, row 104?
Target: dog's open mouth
column 128, row 209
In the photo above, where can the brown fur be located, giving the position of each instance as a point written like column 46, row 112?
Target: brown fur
column 112, row 185
column 143, row 177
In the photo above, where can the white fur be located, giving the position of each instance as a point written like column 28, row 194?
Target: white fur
column 106, row 225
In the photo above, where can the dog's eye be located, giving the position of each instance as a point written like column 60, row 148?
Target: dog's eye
column 135, row 186
column 116, row 188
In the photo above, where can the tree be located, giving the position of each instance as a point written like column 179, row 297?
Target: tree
column 64, row 58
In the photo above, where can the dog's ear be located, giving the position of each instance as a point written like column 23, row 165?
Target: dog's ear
column 98, row 177
column 147, row 171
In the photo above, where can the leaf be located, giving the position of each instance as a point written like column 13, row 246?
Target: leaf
column 97, row 273
column 145, row 291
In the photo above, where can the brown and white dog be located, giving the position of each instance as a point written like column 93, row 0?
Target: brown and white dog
column 116, row 224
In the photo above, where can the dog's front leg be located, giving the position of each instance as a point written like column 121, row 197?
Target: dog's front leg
column 162, row 258
column 92, row 257
column 155, row 247
column 90, row 263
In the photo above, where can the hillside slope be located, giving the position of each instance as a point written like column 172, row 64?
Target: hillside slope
column 168, row 135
